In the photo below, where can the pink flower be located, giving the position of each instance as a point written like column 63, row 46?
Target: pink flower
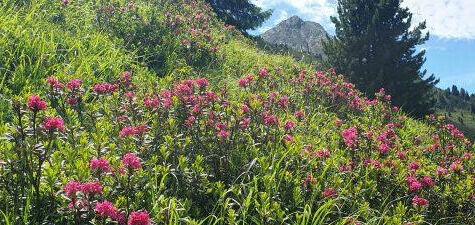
column 441, row 171
column 139, row 218
column 245, row 109
column 414, row 165
column 138, row 130
column 270, row 120
column 106, row 209
column 288, row 138
column 127, row 131
column 350, row 137
column 243, row 82
column 383, row 148
column 419, row 201
column 99, row 165
column 427, row 181
column 211, row 96
column 289, row 125
column 91, row 188
column 456, row 166
column 125, row 78
column 323, row 153
column 72, row 187
column 202, row 82
column 151, row 102
column 131, row 5
column 131, row 161
column 53, row 123
column 413, row 184
column 74, row 84
column 283, row 102
column 263, row 72
column 189, row 122
column 72, row 101
column 401, row 155
column 54, row 82
column 129, row 95
column 223, row 134
column 220, row 126
column 329, row 192
column 66, row 2
column 35, row 103
column 244, row 124
column 104, row 88
column 299, row 114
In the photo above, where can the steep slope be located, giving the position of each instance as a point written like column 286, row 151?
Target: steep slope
column 190, row 124
column 297, row 34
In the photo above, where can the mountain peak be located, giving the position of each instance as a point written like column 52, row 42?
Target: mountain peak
column 295, row 33
column 294, row 20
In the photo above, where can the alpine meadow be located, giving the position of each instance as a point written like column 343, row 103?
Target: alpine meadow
column 144, row 112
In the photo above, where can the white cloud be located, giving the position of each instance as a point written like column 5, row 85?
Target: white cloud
column 445, row 18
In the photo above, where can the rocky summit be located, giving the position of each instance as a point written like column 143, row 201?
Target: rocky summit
column 305, row 36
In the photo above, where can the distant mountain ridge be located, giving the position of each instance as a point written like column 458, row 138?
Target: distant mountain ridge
column 300, row 35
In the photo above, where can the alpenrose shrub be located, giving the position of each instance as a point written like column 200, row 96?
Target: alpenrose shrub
column 281, row 150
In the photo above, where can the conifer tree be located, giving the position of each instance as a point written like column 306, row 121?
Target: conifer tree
column 455, row 90
column 374, row 46
column 240, row 13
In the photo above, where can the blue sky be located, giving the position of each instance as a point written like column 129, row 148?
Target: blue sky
column 451, row 23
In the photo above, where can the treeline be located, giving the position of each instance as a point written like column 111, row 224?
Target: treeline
column 453, row 98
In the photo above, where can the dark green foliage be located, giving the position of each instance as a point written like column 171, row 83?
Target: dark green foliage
column 375, row 48
column 455, row 90
column 240, row 13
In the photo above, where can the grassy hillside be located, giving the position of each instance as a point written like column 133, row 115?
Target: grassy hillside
column 154, row 112
column 457, row 110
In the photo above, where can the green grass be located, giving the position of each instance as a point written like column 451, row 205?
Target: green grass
column 189, row 175
column 463, row 119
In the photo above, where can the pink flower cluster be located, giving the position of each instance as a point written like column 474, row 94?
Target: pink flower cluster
column 350, row 136
column 454, row 131
column 105, row 88
column 99, row 165
column 53, row 123
column 245, row 81
column 419, row 201
column 105, row 209
column 138, row 130
column 413, row 183
column 139, row 218
column 54, row 82
column 73, row 187
column 329, row 192
column 130, row 161
column 35, row 103
column 74, row 84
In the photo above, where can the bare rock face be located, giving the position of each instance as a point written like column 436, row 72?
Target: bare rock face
column 305, row 36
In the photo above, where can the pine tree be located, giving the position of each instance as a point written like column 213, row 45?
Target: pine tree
column 240, row 13
column 462, row 92
column 455, row 90
column 448, row 92
column 375, row 47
